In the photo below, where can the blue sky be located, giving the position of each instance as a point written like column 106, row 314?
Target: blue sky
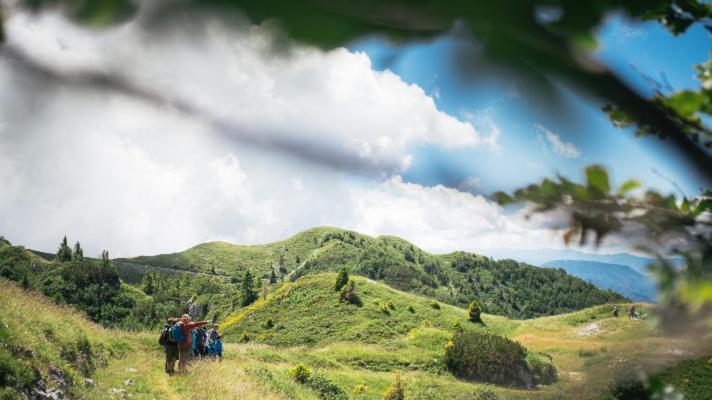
column 525, row 117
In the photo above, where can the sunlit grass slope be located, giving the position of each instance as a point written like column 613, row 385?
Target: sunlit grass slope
column 39, row 338
column 309, row 311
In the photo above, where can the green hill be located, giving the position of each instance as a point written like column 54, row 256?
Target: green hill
column 309, row 311
column 61, row 348
column 503, row 287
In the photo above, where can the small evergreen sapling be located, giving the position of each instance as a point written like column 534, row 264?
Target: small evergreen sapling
column 396, row 391
column 342, row 279
column 474, row 311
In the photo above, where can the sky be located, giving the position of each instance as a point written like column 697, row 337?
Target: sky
column 380, row 139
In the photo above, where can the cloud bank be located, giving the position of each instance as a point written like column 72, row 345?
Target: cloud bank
column 115, row 172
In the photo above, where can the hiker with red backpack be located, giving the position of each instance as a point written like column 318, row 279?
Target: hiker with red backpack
column 183, row 336
column 170, row 346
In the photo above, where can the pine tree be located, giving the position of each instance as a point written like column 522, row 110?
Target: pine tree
column 25, row 281
column 342, row 279
column 474, row 311
column 78, row 253
column 272, row 277
column 248, row 289
column 149, row 286
column 64, row 253
column 299, row 260
column 105, row 259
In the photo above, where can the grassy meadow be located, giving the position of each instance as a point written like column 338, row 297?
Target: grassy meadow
column 589, row 349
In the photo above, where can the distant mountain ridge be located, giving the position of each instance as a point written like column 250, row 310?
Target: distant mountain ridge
column 617, row 277
column 505, row 287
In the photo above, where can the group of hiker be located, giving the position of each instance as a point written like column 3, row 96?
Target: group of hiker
column 184, row 340
column 632, row 312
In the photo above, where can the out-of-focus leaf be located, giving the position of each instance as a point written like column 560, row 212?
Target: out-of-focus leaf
column 597, row 179
column 628, row 186
column 704, row 206
column 686, row 103
column 101, row 13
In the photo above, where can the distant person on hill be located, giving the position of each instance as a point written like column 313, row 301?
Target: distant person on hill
column 632, row 314
column 170, row 346
column 216, row 348
column 615, row 312
column 186, row 340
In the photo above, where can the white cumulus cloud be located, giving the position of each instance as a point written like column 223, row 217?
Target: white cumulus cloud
column 566, row 149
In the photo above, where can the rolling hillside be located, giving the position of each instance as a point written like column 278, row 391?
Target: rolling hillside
column 588, row 348
column 617, row 277
column 503, row 287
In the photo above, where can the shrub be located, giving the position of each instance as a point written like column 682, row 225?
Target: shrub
column 384, row 308
column 486, row 357
column 390, row 305
column 268, row 323
column 457, row 327
column 327, row 389
column 342, row 279
column 349, row 295
column 360, row 389
column 300, row 373
column 541, row 368
column 244, row 338
column 473, row 312
column 411, row 309
column 396, row 391
column 435, row 305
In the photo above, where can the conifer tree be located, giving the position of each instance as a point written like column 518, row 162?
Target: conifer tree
column 149, row 285
column 78, row 253
column 64, row 253
column 272, row 277
column 342, row 279
column 248, row 289
column 105, row 259
column 25, row 281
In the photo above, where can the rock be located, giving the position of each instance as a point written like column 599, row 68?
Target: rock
column 132, row 370
column 118, row 392
column 128, row 382
column 57, row 375
column 49, row 394
column 89, row 382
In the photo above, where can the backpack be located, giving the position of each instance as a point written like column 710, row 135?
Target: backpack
column 177, row 333
column 165, row 336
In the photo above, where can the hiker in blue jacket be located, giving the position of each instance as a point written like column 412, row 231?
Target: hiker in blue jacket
column 216, row 348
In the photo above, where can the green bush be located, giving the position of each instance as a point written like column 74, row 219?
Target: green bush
column 384, row 308
column 541, row 368
column 268, row 323
column 349, row 295
column 411, row 309
column 486, row 357
column 396, row 391
column 326, row 389
column 435, row 305
column 244, row 338
column 300, row 373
